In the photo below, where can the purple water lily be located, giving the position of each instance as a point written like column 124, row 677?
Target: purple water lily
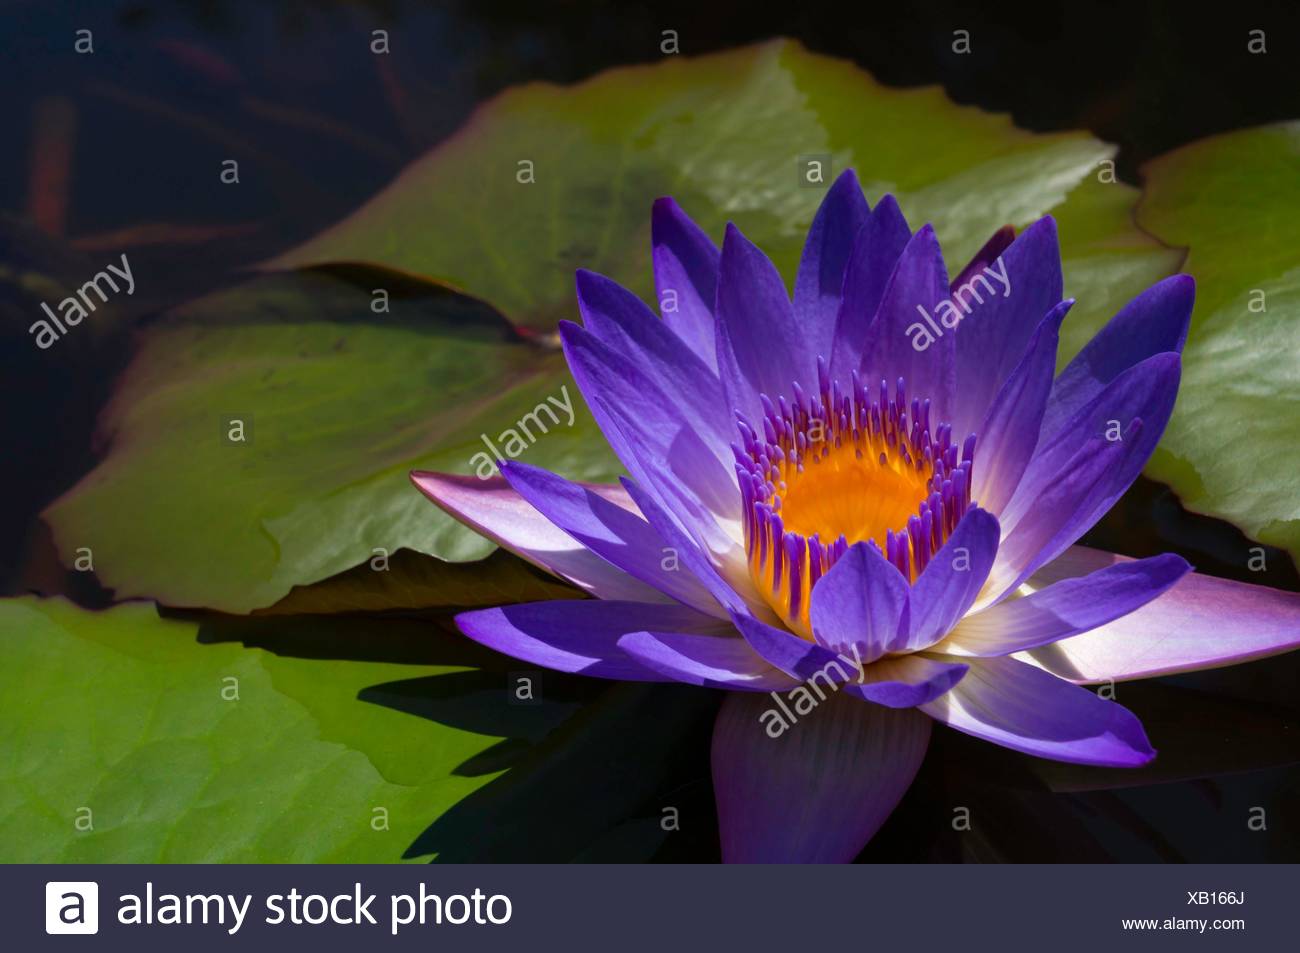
column 856, row 512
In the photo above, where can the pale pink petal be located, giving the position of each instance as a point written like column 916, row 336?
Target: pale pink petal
column 495, row 509
column 1202, row 622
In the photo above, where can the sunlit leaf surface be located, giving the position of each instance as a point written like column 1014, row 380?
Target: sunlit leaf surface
column 1230, row 448
column 125, row 740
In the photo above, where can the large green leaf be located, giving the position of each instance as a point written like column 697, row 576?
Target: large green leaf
column 346, row 401
column 340, row 404
column 1230, row 448
column 116, row 744
column 727, row 136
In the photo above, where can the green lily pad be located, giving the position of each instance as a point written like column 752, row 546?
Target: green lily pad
column 338, row 404
column 346, row 401
column 122, row 741
column 729, row 136
column 1230, row 447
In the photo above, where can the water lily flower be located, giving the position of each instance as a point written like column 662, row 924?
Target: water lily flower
column 856, row 512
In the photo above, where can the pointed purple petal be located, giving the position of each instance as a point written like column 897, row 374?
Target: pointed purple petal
column 623, row 538
column 876, row 250
column 1073, row 480
column 918, row 284
column 685, row 264
column 1025, row 709
column 760, row 348
column 579, row 635
column 951, row 581
column 818, row 791
column 1007, row 302
column 1065, row 608
column 496, row 510
column 1146, row 390
column 820, row 281
column 1202, row 622
column 622, row 321
column 1009, row 433
column 859, row 604
column 713, row 661
column 1067, row 507
column 653, row 438
column 725, row 578
column 1155, row 322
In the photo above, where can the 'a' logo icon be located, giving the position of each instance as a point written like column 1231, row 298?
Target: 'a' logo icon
column 72, row 906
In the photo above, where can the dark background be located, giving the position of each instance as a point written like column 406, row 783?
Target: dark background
column 122, row 150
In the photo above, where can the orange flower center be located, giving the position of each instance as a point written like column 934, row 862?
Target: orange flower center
column 825, row 473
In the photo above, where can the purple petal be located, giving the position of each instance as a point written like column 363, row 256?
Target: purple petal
column 579, row 635
column 902, row 682
column 610, row 531
column 713, row 661
column 1009, row 433
column 799, row 658
column 760, row 348
column 1146, row 390
column 1155, row 322
column 1025, row 709
column 907, row 681
column 951, row 580
column 685, row 264
column 1064, row 511
column 652, row 437
column 1202, row 622
column 1073, row 480
column 1065, row 608
column 858, row 606
column 1007, row 301
column 916, row 287
column 820, row 281
column 497, row 511
column 724, row 577
column 818, row 790
column 876, row 250
column 622, row 321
